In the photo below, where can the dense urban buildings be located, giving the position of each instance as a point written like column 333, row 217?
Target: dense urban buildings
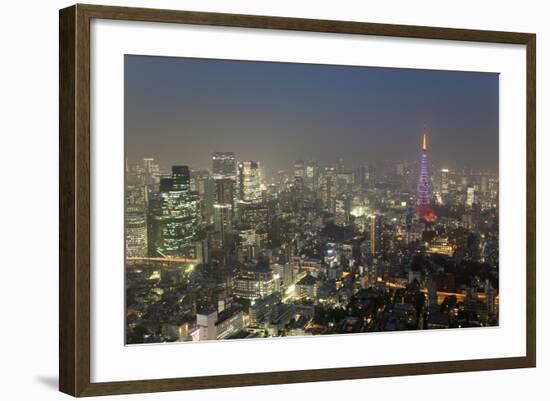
column 317, row 249
column 279, row 199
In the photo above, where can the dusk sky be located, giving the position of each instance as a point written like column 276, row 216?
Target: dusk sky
column 180, row 110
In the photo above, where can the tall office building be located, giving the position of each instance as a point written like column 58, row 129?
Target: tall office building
column 223, row 205
column 328, row 187
column 470, row 196
column 225, row 174
column 375, row 235
column 249, row 182
column 444, row 181
column 312, row 175
column 149, row 165
column 345, row 181
column 484, row 183
column 223, row 165
column 181, row 178
column 151, row 173
column 225, row 191
column 423, row 196
column 342, row 210
column 136, row 220
column 136, row 235
column 299, row 169
column 204, row 185
column 361, row 176
column 247, row 244
column 176, row 216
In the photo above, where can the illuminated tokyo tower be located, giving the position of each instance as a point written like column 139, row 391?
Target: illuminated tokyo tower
column 423, row 188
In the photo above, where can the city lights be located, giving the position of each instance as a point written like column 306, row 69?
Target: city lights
column 302, row 203
column 351, row 258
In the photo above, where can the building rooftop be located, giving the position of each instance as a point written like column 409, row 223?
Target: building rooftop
column 229, row 312
column 307, row 280
column 206, row 311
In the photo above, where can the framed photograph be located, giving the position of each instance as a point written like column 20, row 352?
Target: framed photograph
column 249, row 200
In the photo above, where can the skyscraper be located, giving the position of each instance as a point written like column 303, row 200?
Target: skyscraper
column 203, row 184
column 444, row 184
column 375, row 235
column 136, row 235
column 176, row 217
column 312, row 172
column 181, row 178
column 136, row 220
column 299, row 169
column 328, row 189
column 250, row 190
column 342, row 210
column 224, row 173
column 136, row 201
column 223, row 165
column 470, row 197
column 223, row 205
column 151, row 173
column 423, row 206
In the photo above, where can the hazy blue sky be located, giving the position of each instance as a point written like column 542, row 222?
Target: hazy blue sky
column 180, row 110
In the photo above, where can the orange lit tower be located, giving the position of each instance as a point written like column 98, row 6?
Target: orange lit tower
column 423, row 197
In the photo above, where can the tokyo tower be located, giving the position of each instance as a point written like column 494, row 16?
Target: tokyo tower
column 423, row 188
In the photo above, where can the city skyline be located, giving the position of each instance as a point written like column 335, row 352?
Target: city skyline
column 392, row 229
column 309, row 105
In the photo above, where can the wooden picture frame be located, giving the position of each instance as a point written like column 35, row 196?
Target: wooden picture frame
column 74, row 204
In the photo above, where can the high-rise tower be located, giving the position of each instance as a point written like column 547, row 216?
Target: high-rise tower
column 223, row 165
column 249, row 182
column 423, row 188
column 176, row 216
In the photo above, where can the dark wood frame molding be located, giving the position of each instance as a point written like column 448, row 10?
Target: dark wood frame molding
column 74, row 199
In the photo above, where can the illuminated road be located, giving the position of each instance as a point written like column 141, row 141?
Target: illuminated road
column 161, row 262
column 441, row 295
column 175, row 260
